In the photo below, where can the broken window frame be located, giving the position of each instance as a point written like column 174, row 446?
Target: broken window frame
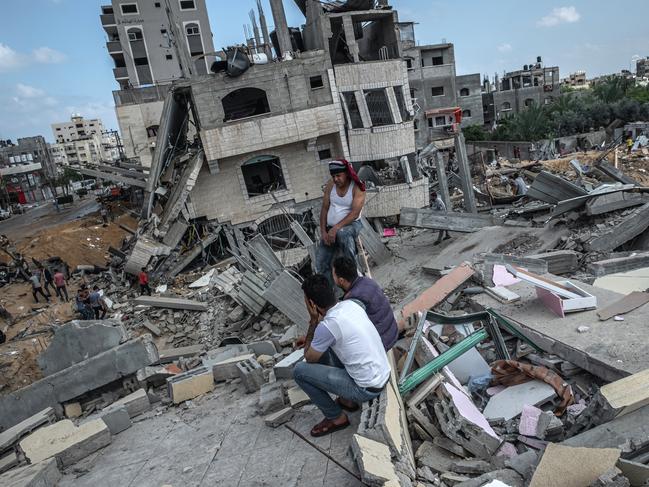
column 273, row 165
column 506, row 106
column 437, row 60
column 180, row 5
column 314, row 80
column 233, row 112
column 466, row 113
column 401, row 103
column 137, row 9
column 465, row 92
column 379, row 109
column 324, row 154
column 354, row 117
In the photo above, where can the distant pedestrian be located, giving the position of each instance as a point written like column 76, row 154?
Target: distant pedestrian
column 61, row 286
column 48, row 280
column 56, row 205
column 97, row 303
column 104, row 215
column 629, row 144
column 81, row 303
column 144, row 282
column 437, row 204
column 37, row 286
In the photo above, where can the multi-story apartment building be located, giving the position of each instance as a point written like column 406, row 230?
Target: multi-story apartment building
column 25, row 168
column 576, row 80
column 437, row 90
column 77, row 128
column 517, row 90
column 642, row 68
column 149, row 52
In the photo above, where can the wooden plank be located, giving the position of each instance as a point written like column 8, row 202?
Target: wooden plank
column 435, row 294
column 628, row 394
column 624, row 305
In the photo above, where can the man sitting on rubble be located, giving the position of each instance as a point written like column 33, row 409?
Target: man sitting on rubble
column 520, row 187
column 343, row 356
column 340, row 216
column 368, row 293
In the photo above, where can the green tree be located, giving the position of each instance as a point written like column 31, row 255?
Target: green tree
column 475, row 132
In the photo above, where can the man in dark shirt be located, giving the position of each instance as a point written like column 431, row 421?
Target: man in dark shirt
column 370, row 295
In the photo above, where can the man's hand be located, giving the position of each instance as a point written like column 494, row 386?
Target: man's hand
column 300, row 342
column 314, row 314
column 332, row 234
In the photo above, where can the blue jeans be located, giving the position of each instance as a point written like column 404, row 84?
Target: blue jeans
column 329, row 377
column 345, row 241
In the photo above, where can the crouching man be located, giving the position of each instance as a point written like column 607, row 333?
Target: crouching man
column 343, row 355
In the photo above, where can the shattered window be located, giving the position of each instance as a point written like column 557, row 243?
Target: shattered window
column 398, row 93
column 352, row 108
column 438, row 60
column 464, row 92
column 245, row 102
column 466, row 113
column 378, row 106
column 262, row 175
column 437, row 91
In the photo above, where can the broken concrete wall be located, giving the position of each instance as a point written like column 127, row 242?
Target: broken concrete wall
column 388, row 200
column 76, row 380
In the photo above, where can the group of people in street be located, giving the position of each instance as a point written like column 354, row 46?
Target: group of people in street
column 90, row 303
column 43, row 282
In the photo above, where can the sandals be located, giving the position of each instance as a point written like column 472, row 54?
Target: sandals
column 326, row 427
column 345, row 407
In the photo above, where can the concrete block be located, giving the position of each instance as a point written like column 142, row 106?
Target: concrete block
column 619, row 264
column 227, row 369
column 271, row 397
column 279, row 418
column 10, row 437
column 251, row 375
column 497, row 478
column 284, row 368
column 509, row 403
column 190, row 384
column 136, row 403
column 548, row 425
column 77, row 341
column 66, row 442
column 43, row 474
column 374, row 462
column 471, row 467
column 451, row 446
column 72, row 410
column 76, row 380
column 463, row 423
column 529, row 420
column 289, row 336
column 297, row 397
column 437, row 459
column 173, row 354
column 116, row 418
column 265, row 347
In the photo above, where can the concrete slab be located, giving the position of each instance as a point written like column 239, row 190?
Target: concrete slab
column 77, row 341
column 136, row 403
column 374, row 462
column 190, row 384
column 173, row 303
column 116, row 418
column 43, row 474
column 510, row 403
column 608, row 350
column 76, row 380
column 562, row 465
column 435, row 458
column 11, row 436
column 66, row 442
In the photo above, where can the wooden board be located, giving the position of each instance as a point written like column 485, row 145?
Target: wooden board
column 628, row 394
column 624, row 305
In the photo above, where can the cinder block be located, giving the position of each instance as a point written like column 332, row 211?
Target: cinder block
column 271, row 397
column 297, row 397
column 64, row 441
column 251, row 374
column 190, row 384
column 136, row 403
column 265, row 347
column 284, row 368
column 279, row 418
column 116, row 418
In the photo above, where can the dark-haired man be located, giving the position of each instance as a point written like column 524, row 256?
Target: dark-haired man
column 370, row 294
column 343, row 355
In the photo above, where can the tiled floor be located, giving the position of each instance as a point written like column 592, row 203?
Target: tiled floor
column 219, row 441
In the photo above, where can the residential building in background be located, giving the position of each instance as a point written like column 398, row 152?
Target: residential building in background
column 518, row 90
column 141, row 39
column 148, row 52
column 77, row 128
column 576, row 80
column 26, row 168
column 83, row 141
column 437, row 90
column 642, row 68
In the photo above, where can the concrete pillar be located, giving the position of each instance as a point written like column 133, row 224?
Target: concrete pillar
column 281, row 26
column 465, row 174
column 442, row 181
column 264, row 31
column 350, row 37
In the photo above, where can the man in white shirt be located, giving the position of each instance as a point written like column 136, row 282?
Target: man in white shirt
column 519, row 185
column 343, row 356
column 437, row 204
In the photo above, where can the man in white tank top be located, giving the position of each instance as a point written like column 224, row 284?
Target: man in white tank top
column 343, row 354
column 340, row 224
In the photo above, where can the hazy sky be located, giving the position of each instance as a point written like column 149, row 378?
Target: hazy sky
column 53, row 58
